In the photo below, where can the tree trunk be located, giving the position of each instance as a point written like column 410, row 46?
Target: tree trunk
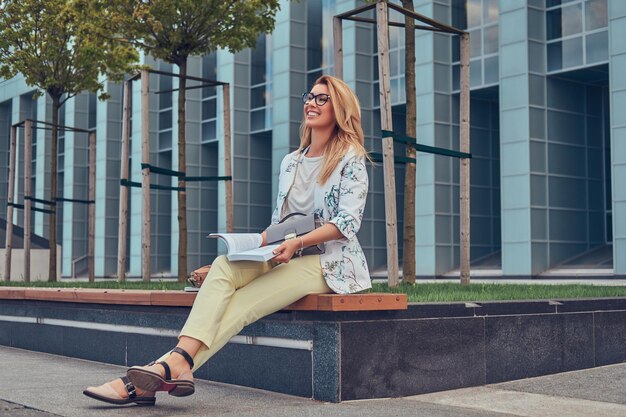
column 182, row 166
column 408, row 242
column 52, row 231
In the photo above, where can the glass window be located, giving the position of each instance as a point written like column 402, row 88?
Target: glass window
column 393, row 62
column 456, row 76
column 165, row 120
column 165, row 89
column 459, row 15
column 595, row 14
column 473, row 10
column 258, row 73
column 564, row 22
column 456, row 48
column 491, row 70
column 314, row 34
column 257, row 97
column 491, row 10
column 257, row 120
column 475, row 43
column 209, row 72
column 552, row 3
column 555, row 61
column 572, row 52
column 476, row 69
column 490, row 41
column 209, row 109
column 571, row 20
column 553, row 24
column 597, row 45
column 208, row 131
column 165, row 140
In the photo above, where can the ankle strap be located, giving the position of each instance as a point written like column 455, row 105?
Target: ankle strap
column 130, row 388
column 185, row 355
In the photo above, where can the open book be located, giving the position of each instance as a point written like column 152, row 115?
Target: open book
column 245, row 246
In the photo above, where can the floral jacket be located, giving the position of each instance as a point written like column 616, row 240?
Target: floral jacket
column 341, row 201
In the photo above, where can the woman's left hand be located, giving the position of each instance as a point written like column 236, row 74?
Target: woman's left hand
column 286, row 250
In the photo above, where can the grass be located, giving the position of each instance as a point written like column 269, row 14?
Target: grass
column 446, row 292
column 421, row 292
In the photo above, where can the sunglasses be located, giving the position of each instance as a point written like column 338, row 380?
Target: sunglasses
column 320, row 99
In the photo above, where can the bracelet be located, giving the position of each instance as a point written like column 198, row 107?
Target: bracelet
column 301, row 246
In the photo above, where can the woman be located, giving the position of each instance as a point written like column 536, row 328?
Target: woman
column 331, row 156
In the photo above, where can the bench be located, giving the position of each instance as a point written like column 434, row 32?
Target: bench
column 314, row 302
column 330, row 347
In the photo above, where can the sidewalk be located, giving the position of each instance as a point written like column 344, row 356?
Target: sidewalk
column 41, row 385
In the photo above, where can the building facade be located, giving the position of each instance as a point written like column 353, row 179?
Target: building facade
column 548, row 139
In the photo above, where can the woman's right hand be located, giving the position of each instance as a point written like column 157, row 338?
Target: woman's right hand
column 264, row 236
column 196, row 278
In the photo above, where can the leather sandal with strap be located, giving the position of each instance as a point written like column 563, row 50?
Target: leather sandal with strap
column 149, row 378
column 108, row 394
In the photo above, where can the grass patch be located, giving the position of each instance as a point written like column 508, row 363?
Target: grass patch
column 421, row 292
column 446, row 292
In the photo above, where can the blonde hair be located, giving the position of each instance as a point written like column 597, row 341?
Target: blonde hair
column 348, row 130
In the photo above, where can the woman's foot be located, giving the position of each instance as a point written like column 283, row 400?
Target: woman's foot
column 173, row 375
column 120, row 391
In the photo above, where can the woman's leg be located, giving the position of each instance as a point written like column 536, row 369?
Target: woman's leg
column 272, row 291
column 216, row 293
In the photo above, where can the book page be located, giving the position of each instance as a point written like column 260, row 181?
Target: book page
column 262, row 254
column 239, row 242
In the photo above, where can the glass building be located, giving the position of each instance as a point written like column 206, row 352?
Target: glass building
column 548, row 138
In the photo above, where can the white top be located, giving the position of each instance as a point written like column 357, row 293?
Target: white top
column 300, row 198
column 340, row 201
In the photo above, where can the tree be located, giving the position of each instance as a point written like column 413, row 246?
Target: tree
column 408, row 235
column 172, row 30
column 58, row 47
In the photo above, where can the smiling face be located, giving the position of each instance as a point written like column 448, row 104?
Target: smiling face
column 319, row 117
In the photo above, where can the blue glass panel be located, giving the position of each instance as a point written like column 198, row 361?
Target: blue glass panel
column 490, row 40
column 475, row 43
column 595, row 14
column 257, row 97
column 165, row 140
column 258, row 59
column 553, row 24
column 552, row 3
column 165, row 119
column 473, row 9
column 555, row 61
column 491, row 70
column 314, row 34
column 208, row 131
column 476, row 73
column 456, row 76
column 597, row 47
column 395, row 91
column 491, row 10
column 393, row 62
column 571, row 19
column 257, row 120
column 208, row 109
column 459, row 15
column 572, row 52
column 456, row 48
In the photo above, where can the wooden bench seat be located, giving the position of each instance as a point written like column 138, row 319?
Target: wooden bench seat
column 321, row 302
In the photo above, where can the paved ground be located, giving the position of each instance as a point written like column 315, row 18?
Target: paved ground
column 35, row 384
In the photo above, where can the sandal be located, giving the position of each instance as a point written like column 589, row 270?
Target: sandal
column 148, row 378
column 107, row 394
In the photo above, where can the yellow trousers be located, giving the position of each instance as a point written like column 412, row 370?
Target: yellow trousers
column 235, row 294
